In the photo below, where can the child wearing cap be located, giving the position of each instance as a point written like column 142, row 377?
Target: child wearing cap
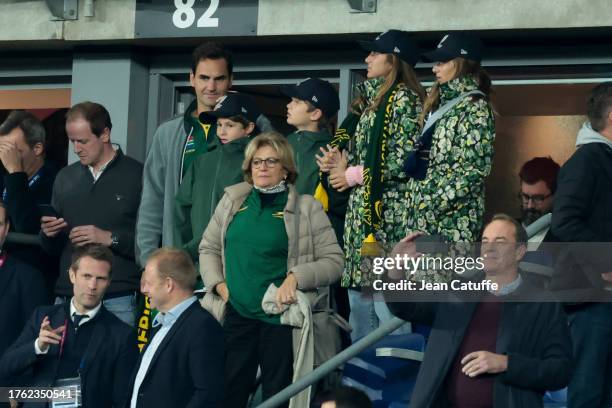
column 448, row 181
column 313, row 103
column 382, row 127
column 220, row 167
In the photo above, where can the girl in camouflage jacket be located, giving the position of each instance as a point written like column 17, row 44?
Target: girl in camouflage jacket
column 388, row 108
column 450, row 200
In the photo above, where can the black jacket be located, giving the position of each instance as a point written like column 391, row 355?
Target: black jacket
column 23, row 206
column 187, row 367
column 582, row 213
column 534, row 335
column 108, row 360
column 22, row 289
column 111, row 203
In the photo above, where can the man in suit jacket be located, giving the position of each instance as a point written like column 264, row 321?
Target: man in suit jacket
column 22, row 289
column 182, row 365
column 498, row 349
column 79, row 340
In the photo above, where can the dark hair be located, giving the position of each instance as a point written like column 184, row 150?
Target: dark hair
column 175, row 264
column 214, row 51
column 599, row 105
column 540, row 168
column 463, row 67
column 94, row 251
column 239, row 119
column 519, row 231
column 95, row 114
column 32, row 128
column 348, row 397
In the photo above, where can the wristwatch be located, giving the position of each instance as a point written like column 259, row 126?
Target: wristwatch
column 114, row 240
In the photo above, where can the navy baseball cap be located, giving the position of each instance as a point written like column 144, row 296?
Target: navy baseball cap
column 455, row 45
column 395, row 42
column 233, row 104
column 320, row 93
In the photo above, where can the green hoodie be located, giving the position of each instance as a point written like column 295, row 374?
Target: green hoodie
column 305, row 146
column 202, row 188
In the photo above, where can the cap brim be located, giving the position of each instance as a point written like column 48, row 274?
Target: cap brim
column 369, row 46
column 289, row 90
column 437, row 55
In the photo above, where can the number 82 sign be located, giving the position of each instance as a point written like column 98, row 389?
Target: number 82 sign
column 195, row 18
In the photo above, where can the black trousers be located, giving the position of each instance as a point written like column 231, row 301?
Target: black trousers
column 250, row 343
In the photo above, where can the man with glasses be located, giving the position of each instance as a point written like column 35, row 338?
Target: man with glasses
column 538, row 185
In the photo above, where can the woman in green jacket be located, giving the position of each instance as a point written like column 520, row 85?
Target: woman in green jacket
column 263, row 232
column 453, row 156
column 386, row 125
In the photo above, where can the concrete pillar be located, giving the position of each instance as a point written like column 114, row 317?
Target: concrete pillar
column 119, row 82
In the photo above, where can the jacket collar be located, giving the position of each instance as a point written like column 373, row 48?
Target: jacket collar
column 456, row 87
column 239, row 192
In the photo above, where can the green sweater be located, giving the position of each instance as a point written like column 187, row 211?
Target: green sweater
column 202, row 188
column 305, row 146
column 256, row 250
column 202, row 136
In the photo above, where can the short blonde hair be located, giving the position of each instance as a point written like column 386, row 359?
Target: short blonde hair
column 279, row 143
column 176, row 264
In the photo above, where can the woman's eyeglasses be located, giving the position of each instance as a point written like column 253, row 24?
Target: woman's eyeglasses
column 270, row 163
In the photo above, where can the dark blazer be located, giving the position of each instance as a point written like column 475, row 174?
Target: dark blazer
column 22, row 289
column 108, row 360
column 534, row 335
column 187, row 367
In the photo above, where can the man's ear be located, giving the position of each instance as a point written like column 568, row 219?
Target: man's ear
column 39, row 149
column 521, row 249
column 192, row 78
column 72, row 275
column 105, row 136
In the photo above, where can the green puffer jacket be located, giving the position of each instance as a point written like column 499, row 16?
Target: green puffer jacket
column 450, row 201
column 404, row 129
column 202, row 189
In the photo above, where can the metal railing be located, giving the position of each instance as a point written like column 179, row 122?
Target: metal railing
column 356, row 348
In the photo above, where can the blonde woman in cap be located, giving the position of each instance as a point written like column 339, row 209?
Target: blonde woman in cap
column 453, row 155
column 382, row 127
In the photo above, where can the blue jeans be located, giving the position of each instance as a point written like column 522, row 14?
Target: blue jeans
column 591, row 329
column 368, row 311
column 124, row 307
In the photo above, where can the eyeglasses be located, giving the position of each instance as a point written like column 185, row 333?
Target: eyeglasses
column 537, row 198
column 270, row 163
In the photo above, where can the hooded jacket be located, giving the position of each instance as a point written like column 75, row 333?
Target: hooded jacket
column 582, row 214
column 202, row 188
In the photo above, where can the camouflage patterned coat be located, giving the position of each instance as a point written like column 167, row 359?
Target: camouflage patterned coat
column 450, row 201
column 404, row 129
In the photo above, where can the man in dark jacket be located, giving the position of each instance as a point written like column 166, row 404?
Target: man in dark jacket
column 582, row 215
column 182, row 366
column 96, row 201
column 22, row 289
column 498, row 349
column 27, row 186
column 77, row 343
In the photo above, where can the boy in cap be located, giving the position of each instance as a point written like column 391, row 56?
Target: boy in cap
column 313, row 103
column 221, row 166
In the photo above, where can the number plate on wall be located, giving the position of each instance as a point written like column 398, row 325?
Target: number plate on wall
column 195, row 18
